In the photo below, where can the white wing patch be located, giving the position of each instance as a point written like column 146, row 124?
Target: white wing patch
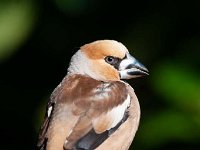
column 49, row 111
column 111, row 118
column 118, row 112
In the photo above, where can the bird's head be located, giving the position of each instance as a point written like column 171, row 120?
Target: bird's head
column 106, row 60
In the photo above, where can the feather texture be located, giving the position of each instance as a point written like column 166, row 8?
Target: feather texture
column 79, row 107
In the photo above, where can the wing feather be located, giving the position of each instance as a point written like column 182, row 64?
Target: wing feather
column 106, row 109
column 42, row 139
column 81, row 109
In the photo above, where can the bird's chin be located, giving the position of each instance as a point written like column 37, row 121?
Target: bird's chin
column 132, row 73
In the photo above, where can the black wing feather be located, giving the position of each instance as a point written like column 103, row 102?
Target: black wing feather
column 92, row 140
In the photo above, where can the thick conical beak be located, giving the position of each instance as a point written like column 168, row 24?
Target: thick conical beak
column 131, row 68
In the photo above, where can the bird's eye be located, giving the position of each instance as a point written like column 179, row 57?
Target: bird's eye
column 114, row 61
column 110, row 60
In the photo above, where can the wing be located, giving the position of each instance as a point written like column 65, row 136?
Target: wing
column 83, row 113
column 93, row 139
column 126, row 131
column 42, row 139
column 58, row 118
column 105, row 107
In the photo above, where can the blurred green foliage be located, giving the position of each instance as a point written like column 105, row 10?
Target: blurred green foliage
column 182, row 87
column 16, row 22
column 179, row 87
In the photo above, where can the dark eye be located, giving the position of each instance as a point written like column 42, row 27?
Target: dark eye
column 110, row 60
column 114, row 61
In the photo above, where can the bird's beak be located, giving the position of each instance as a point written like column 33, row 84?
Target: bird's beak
column 131, row 68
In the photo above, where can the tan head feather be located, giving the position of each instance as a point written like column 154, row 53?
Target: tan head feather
column 97, row 51
column 102, row 48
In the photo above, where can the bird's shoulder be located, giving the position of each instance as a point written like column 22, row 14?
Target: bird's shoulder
column 81, row 90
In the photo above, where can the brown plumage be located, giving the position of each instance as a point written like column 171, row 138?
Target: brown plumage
column 92, row 108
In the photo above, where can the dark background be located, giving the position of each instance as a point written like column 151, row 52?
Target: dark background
column 38, row 38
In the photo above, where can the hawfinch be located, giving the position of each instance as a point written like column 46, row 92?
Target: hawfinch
column 92, row 108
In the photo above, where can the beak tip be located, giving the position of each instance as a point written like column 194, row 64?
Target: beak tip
column 146, row 73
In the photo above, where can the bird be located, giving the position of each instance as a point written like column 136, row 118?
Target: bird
column 94, row 107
